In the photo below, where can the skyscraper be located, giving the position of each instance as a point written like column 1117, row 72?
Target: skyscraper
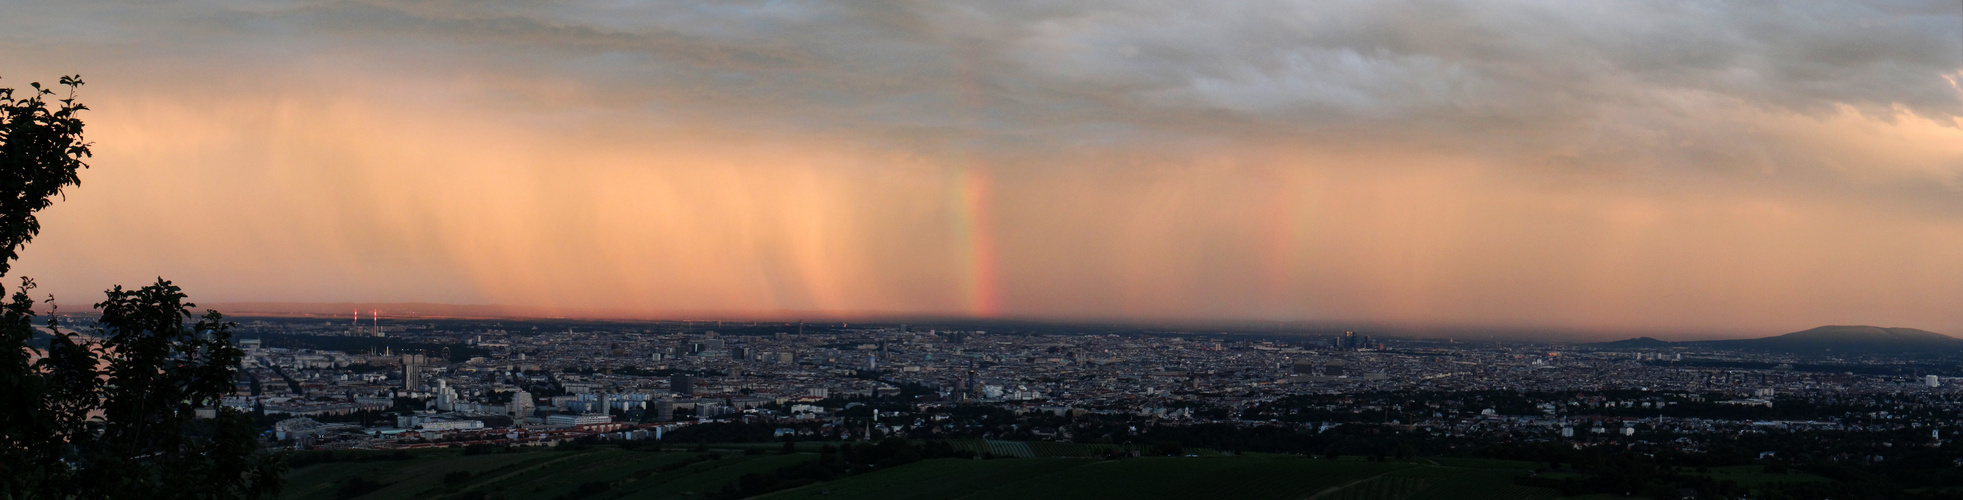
column 970, row 389
column 682, row 383
column 1350, row 341
column 411, row 376
column 520, row 407
column 446, row 397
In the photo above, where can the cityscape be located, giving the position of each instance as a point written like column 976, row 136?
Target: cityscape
column 486, row 381
column 406, row 384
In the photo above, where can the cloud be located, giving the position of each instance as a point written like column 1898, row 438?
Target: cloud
column 1598, row 165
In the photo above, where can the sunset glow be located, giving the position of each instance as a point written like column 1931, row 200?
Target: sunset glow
column 1520, row 164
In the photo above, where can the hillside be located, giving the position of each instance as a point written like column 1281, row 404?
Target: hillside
column 1849, row 340
column 604, row 472
column 1835, row 339
column 1635, row 343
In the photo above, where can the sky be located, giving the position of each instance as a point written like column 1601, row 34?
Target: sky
column 1687, row 168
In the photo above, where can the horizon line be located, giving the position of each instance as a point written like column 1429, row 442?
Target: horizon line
column 437, row 310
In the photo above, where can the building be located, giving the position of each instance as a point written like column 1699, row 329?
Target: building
column 709, row 345
column 1932, row 381
column 411, row 376
column 577, row 420
column 664, row 410
column 446, row 396
column 451, row 425
column 1304, row 367
column 1350, row 341
column 435, row 423
column 297, row 428
column 520, row 407
column 682, row 383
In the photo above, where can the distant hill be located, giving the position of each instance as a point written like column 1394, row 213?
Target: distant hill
column 1635, row 343
column 1837, row 339
column 1847, row 339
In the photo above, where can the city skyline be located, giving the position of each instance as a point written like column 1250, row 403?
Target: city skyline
column 1601, row 167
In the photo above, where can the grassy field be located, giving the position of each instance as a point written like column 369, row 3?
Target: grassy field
column 1754, row 476
column 603, row 472
column 1173, row 478
column 1482, row 480
column 535, row 474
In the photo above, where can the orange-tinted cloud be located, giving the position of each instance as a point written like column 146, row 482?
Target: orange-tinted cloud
column 1611, row 166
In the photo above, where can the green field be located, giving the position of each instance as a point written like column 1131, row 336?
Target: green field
column 536, row 474
column 609, row 472
column 1754, row 476
column 1174, row 478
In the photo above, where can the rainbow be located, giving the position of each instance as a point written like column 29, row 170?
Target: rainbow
column 977, row 241
column 971, row 185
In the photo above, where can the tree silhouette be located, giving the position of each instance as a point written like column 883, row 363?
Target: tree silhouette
column 113, row 413
column 41, row 151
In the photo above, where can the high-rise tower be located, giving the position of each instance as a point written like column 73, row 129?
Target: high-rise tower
column 411, row 373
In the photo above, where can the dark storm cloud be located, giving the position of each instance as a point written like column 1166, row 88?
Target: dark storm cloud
column 1046, row 71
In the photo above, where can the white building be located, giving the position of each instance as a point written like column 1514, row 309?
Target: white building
column 451, row 425
column 434, row 423
column 446, row 396
column 521, row 406
column 578, row 419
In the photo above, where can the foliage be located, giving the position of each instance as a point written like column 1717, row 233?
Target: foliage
column 41, row 151
column 117, row 416
column 113, row 413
